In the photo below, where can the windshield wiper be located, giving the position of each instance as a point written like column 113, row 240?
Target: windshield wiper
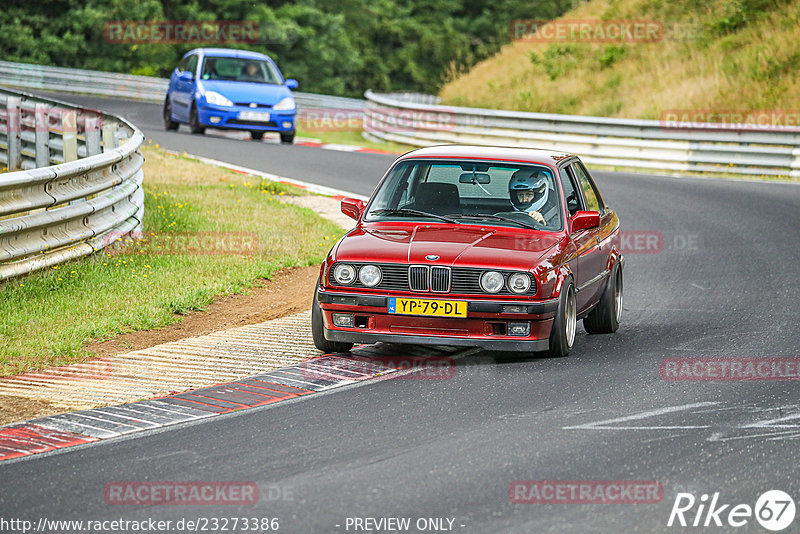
column 497, row 217
column 408, row 211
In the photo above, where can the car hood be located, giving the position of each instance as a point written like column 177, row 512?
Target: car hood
column 461, row 246
column 247, row 92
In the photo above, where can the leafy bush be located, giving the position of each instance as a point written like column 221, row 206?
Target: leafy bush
column 610, row 55
column 559, row 59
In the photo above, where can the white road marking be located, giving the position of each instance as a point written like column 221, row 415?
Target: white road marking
column 771, row 435
column 604, row 425
column 340, row 148
column 771, row 423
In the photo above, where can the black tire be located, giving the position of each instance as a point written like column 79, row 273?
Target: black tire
column 287, row 138
column 194, row 122
column 606, row 316
column 257, row 135
column 562, row 336
column 169, row 124
column 318, row 332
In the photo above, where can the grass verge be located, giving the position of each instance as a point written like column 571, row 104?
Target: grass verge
column 48, row 317
column 352, row 137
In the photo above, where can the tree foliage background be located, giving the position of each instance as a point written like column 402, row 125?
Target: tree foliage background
column 340, row 47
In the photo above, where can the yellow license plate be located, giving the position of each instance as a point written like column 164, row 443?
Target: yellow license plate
column 437, row 308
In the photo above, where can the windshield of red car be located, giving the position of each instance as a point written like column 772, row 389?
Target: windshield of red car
column 470, row 191
column 239, row 70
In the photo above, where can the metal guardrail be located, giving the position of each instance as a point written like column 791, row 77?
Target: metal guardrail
column 45, row 78
column 74, row 184
column 637, row 144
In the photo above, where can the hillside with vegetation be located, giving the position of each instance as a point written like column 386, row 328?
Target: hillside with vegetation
column 342, row 47
column 714, row 55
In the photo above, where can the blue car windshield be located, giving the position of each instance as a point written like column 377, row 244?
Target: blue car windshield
column 240, row 70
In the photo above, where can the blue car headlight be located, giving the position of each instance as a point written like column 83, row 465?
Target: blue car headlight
column 213, row 97
column 286, row 104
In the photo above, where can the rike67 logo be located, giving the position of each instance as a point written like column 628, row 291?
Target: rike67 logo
column 774, row 510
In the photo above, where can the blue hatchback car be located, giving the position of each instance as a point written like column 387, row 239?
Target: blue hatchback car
column 223, row 88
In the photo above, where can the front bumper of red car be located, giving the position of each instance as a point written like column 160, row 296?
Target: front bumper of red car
column 490, row 324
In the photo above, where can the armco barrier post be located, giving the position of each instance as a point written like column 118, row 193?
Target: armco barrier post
column 108, row 137
column 92, row 131
column 14, row 144
column 69, row 132
column 42, row 130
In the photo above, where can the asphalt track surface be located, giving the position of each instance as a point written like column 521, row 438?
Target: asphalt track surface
column 724, row 285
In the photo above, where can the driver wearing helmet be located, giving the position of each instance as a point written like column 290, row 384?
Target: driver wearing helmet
column 529, row 192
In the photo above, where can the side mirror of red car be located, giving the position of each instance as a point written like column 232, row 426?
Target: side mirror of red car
column 583, row 220
column 352, row 207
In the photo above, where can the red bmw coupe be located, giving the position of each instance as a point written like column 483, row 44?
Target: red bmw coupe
column 499, row 248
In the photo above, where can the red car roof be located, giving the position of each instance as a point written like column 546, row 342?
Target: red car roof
column 530, row 155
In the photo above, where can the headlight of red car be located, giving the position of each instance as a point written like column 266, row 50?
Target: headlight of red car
column 344, row 274
column 370, row 275
column 492, row 281
column 519, row 283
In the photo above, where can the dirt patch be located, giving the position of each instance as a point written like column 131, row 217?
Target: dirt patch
column 14, row 409
column 289, row 291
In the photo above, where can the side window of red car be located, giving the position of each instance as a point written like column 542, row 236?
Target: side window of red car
column 570, row 194
column 590, row 194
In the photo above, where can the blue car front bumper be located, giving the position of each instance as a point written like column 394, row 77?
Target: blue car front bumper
column 246, row 118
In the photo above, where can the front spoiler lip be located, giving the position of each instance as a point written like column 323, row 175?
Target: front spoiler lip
column 538, row 307
column 205, row 112
column 506, row 344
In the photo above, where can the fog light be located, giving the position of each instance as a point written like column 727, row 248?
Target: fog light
column 287, row 124
column 519, row 329
column 343, row 320
column 515, row 309
column 215, row 120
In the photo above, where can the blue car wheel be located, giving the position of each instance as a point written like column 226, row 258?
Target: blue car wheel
column 194, row 122
column 169, row 124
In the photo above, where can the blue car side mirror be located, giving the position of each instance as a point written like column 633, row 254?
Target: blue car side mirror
column 291, row 83
column 186, row 76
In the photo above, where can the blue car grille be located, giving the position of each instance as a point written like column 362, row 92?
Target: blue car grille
column 257, row 106
column 240, row 122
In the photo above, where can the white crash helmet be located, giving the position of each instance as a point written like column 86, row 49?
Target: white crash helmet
column 534, row 180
